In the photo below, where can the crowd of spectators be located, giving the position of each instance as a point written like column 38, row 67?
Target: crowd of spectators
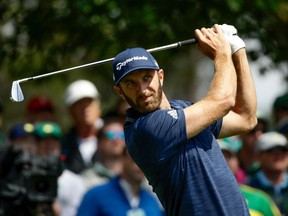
column 86, row 170
column 45, row 170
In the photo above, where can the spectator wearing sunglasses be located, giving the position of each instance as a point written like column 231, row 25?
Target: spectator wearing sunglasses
column 272, row 151
column 108, row 163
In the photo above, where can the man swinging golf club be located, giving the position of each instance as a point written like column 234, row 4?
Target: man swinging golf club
column 174, row 142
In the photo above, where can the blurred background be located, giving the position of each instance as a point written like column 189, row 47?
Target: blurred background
column 38, row 37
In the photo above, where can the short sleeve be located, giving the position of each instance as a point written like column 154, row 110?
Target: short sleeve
column 158, row 133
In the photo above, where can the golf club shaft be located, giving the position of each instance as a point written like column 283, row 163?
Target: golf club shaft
column 67, row 69
column 170, row 46
column 16, row 91
column 175, row 45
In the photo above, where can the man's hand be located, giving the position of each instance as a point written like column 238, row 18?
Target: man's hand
column 230, row 33
column 212, row 43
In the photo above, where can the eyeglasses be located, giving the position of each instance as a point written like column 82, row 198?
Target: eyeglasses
column 277, row 149
column 114, row 135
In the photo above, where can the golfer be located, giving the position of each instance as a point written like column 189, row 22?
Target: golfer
column 174, row 142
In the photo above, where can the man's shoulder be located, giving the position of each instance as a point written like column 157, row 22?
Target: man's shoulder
column 133, row 114
column 178, row 104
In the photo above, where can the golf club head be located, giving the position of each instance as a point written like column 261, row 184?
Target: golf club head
column 16, row 92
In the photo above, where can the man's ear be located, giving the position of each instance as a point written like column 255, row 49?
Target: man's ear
column 118, row 91
column 161, row 76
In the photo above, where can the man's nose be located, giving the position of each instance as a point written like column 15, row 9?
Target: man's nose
column 139, row 86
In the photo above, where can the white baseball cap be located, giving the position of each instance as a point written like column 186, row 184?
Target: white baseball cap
column 78, row 90
column 270, row 140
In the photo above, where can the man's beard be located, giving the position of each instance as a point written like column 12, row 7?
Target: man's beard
column 150, row 106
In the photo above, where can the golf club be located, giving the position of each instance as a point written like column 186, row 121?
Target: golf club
column 16, row 91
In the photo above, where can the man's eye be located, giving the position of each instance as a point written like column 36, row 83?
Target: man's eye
column 147, row 77
column 129, row 83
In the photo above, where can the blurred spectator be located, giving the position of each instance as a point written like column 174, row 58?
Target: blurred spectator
column 280, row 114
column 80, row 143
column 280, row 111
column 119, row 110
column 39, row 108
column 259, row 203
column 247, row 156
column 21, row 134
column 123, row 195
column 272, row 178
column 28, row 180
column 70, row 186
column 109, row 153
column 48, row 136
column 230, row 146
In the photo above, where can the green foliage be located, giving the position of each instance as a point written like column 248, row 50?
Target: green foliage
column 56, row 33
column 43, row 36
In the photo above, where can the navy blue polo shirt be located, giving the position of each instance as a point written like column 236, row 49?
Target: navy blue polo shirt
column 190, row 177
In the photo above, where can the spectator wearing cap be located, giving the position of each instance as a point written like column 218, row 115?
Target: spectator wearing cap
column 39, row 108
column 70, row 185
column 280, row 107
column 259, row 203
column 246, row 155
column 280, row 113
column 21, row 134
column 48, row 135
column 80, row 143
column 272, row 177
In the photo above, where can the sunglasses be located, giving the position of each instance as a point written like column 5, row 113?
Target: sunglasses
column 277, row 149
column 112, row 135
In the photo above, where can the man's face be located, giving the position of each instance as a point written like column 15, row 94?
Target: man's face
column 274, row 159
column 85, row 111
column 112, row 143
column 142, row 89
column 231, row 160
column 48, row 146
column 27, row 143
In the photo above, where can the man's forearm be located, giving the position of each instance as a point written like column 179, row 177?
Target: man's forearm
column 246, row 100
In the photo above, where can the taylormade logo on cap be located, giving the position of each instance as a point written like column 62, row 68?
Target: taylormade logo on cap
column 135, row 58
column 131, row 60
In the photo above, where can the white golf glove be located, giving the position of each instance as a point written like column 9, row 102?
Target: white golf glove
column 230, row 33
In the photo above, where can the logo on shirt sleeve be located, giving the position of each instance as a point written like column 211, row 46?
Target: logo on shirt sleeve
column 173, row 113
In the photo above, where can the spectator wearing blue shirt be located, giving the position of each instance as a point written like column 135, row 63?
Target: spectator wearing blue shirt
column 123, row 195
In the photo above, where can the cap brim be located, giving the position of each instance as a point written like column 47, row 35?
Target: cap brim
column 134, row 69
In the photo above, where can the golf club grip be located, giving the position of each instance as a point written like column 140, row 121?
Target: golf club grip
column 187, row 42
